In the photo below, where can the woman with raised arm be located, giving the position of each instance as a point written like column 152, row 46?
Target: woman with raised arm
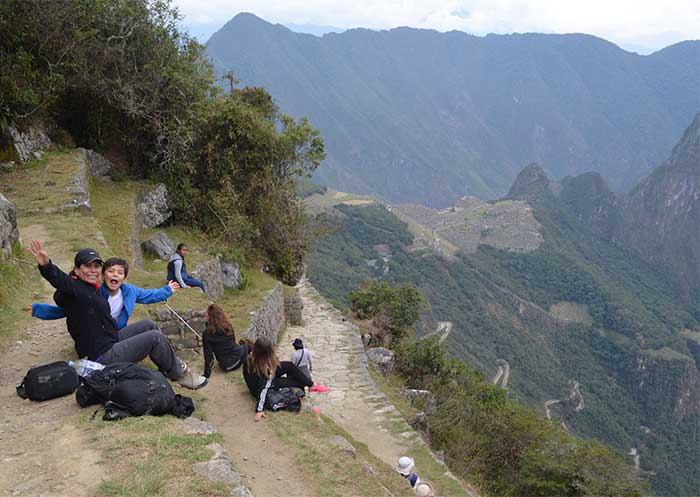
column 92, row 326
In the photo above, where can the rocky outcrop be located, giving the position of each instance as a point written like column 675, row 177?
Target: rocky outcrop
column 28, row 142
column 268, row 320
column 78, row 188
column 9, row 233
column 382, row 359
column 219, row 468
column 231, row 274
column 532, row 180
column 98, row 165
column 154, row 207
column 210, row 273
column 160, row 245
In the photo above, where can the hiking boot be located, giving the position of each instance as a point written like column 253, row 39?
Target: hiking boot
column 189, row 379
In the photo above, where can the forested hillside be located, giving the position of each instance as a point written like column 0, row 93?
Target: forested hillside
column 593, row 334
column 425, row 117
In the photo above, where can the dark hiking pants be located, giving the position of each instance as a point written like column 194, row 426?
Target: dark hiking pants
column 288, row 375
column 144, row 339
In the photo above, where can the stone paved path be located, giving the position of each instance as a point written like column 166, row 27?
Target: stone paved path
column 339, row 361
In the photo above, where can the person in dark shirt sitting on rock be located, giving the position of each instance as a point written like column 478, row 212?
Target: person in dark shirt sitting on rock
column 92, row 327
column 219, row 342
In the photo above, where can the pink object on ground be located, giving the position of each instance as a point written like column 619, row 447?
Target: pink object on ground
column 319, row 388
column 317, row 410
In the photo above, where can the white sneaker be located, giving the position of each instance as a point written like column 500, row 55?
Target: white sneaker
column 191, row 380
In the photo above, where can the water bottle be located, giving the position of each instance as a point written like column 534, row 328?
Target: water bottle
column 85, row 367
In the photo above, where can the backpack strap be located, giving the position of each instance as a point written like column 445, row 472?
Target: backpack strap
column 21, row 391
column 301, row 357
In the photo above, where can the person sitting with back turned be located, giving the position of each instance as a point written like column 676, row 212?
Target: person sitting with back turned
column 219, row 341
column 262, row 371
column 92, row 327
column 121, row 296
column 177, row 270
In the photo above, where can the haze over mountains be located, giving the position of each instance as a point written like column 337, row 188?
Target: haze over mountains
column 419, row 116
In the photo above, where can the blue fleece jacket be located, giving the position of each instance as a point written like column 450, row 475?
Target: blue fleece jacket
column 131, row 294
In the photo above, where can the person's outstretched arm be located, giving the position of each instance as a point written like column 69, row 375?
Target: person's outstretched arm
column 51, row 273
column 155, row 295
column 47, row 312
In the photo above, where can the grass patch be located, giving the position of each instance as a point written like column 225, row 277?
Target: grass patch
column 426, row 464
column 333, row 471
column 42, row 183
column 112, row 205
column 19, row 286
column 146, row 456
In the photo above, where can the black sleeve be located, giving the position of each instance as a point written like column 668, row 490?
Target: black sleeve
column 208, row 357
column 57, row 278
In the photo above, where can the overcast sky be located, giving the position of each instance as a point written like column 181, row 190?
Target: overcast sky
column 634, row 24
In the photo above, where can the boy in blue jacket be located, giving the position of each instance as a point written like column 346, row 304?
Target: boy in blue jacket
column 122, row 297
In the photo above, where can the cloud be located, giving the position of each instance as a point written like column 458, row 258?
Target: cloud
column 641, row 22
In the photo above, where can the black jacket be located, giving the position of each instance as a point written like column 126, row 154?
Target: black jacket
column 87, row 312
column 224, row 348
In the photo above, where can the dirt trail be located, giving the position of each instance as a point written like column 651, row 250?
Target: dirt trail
column 255, row 449
column 39, row 441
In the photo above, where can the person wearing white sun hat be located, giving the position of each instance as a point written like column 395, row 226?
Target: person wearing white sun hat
column 421, row 488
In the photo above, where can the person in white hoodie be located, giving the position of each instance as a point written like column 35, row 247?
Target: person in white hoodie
column 177, row 270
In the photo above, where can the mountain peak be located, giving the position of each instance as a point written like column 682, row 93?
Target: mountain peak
column 532, row 179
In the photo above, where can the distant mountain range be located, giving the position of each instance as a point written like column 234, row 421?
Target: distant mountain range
column 419, row 116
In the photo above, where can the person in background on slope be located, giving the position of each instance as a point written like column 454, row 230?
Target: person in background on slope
column 219, row 341
column 121, row 296
column 301, row 358
column 262, row 371
column 177, row 270
column 92, row 327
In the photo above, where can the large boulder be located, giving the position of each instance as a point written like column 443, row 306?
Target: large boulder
column 154, row 207
column 210, row 273
column 231, row 274
column 160, row 245
column 382, row 359
column 98, row 165
column 8, row 226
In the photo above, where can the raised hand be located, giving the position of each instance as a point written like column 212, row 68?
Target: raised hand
column 174, row 285
column 40, row 255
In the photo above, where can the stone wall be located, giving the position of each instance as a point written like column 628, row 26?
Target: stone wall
column 293, row 307
column 178, row 334
column 78, row 187
column 268, row 320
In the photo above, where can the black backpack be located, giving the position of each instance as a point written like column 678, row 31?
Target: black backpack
column 284, row 399
column 128, row 389
column 49, row 381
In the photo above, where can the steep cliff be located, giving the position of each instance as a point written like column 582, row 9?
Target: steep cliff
column 662, row 214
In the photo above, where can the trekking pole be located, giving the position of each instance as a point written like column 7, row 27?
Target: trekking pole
column 181, row 319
